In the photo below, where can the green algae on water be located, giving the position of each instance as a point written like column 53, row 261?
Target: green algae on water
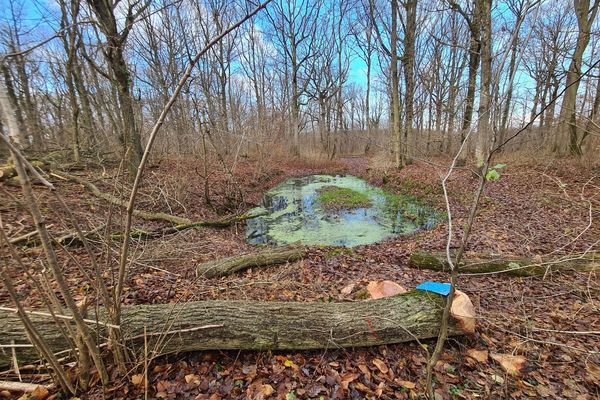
column 294, row 211
column 336, row 198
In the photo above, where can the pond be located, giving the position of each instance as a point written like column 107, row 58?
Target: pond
column 334, row 211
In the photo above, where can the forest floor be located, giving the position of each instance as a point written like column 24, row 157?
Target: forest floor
column 533, row 209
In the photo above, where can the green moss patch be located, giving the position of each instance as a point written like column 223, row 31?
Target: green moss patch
column 335, row 198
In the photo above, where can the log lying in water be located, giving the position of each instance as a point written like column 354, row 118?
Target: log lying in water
column 252, row 325
column 262, row 258
column 486, row 263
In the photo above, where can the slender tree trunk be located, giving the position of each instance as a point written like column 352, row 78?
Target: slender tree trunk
column 485, row 99
column 591, row 125
column 474, row 56
column 131, row 135
column 33, row 125
column 567, row 140
column 408, row 63
column 20, row 134
column 509, row 92
column 396, row 132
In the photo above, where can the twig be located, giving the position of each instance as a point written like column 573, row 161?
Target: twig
column 66, row 317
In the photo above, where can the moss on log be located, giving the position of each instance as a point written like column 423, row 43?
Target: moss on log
column 8, row 171
column 486, row 263
column 262, row 258
column 252, row 325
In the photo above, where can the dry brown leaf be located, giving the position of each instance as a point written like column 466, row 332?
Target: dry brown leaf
column 380, row 289
column 162, row 386
column 381, row 365
column 362, row 388
column 137, row 379
column 348, row 289
column 192, row 378
column 406, row 384
column 478, row 355
column 40, row 393
column 509, row 363
column 463, row 311
column 592, row 373
column 365, row 370
column 347, row 378
column 266, row 390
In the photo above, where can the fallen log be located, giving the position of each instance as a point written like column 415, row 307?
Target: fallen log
column 250, row 325
column 7, row 172
column 262, row 258
column 485, row 263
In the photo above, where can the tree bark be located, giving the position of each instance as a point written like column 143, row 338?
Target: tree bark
column 263, row 258
column 473, row 22
column 484, row 263
column 408, row 63
column 253, row 325
column 484, row 131
column 114, row 54
column 396, row 132
column 567, row 140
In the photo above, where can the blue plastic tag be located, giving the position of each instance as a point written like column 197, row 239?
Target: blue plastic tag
column 435, row 287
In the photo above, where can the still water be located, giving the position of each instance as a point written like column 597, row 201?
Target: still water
column 291, row 213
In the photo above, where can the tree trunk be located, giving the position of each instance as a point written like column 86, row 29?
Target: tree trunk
column 253, row 325
column 567, row 141
column 474, row 56
column 484, row 263
column 11, row 98
column 485, row 94
column 408, row 62
column 396, row 132
column 263, row 258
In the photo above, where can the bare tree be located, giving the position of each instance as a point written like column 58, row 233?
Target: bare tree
column 568, row 140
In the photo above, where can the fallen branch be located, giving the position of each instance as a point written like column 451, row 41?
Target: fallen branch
column 24, row 387
column 262, row 258
column 180, row 223
column 486, row 263
column 253, row 325
column 150, row 216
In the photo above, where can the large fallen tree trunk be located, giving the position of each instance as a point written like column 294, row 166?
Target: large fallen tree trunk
column 250, row 325
column 262, row 258
column 486, row 263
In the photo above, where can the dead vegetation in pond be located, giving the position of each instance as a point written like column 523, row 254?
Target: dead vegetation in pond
column 338, row 198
